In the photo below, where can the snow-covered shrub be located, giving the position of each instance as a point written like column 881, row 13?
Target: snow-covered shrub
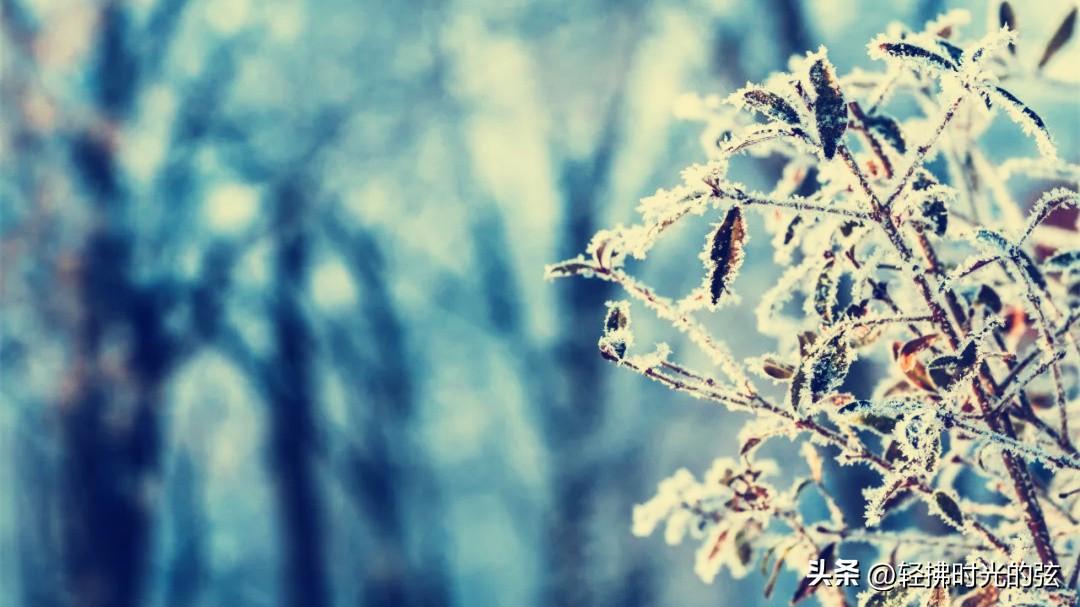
column 900, row 233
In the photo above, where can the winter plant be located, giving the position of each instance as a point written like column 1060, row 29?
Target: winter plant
column 902, row 244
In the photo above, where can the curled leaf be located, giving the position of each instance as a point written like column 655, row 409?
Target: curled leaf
column 912, row 367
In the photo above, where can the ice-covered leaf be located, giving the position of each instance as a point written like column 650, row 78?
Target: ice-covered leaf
column 769, row 104
column 994, row 240
column 1029, row 121
column 1066, row 260
column 823, row 371
column 830, row 109
column 889, row 129
column 724, row 253
column 933, row 215
column 617, row 336
column 909, row 53
column 1061, row 36
column 949, row 509
column 825, row 290
column 948, row 369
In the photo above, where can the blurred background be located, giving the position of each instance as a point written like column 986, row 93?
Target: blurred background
column 274, row 328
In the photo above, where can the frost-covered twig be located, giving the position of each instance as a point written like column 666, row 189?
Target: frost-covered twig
column 882, row 260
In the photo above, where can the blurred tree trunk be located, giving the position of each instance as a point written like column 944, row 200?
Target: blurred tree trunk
column 386, row 470
column 292, row 417
column 578, row 413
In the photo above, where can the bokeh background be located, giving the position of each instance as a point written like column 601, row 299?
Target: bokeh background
column 274, row 329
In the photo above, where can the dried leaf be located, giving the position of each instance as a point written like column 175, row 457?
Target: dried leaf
column 1060, row 37
column 913, row 347
column 776, row 369
column 806, row 342
column 912, row 367
column 617, row 337
column 750, row 443
column 985, row 596
column 789, row 233
column 724, row 254
column 1029, row 268
column 830, row 110
column 617, row 318
column 939, row 597
column 1006, row 16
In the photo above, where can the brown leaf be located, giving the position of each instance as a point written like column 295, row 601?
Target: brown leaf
column 912, row 367
column 1060, row 37
column 917, row 345
column 939, row 597
column 987, row 596
column 776, row 369
column 725, row 253
column 750, row 443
